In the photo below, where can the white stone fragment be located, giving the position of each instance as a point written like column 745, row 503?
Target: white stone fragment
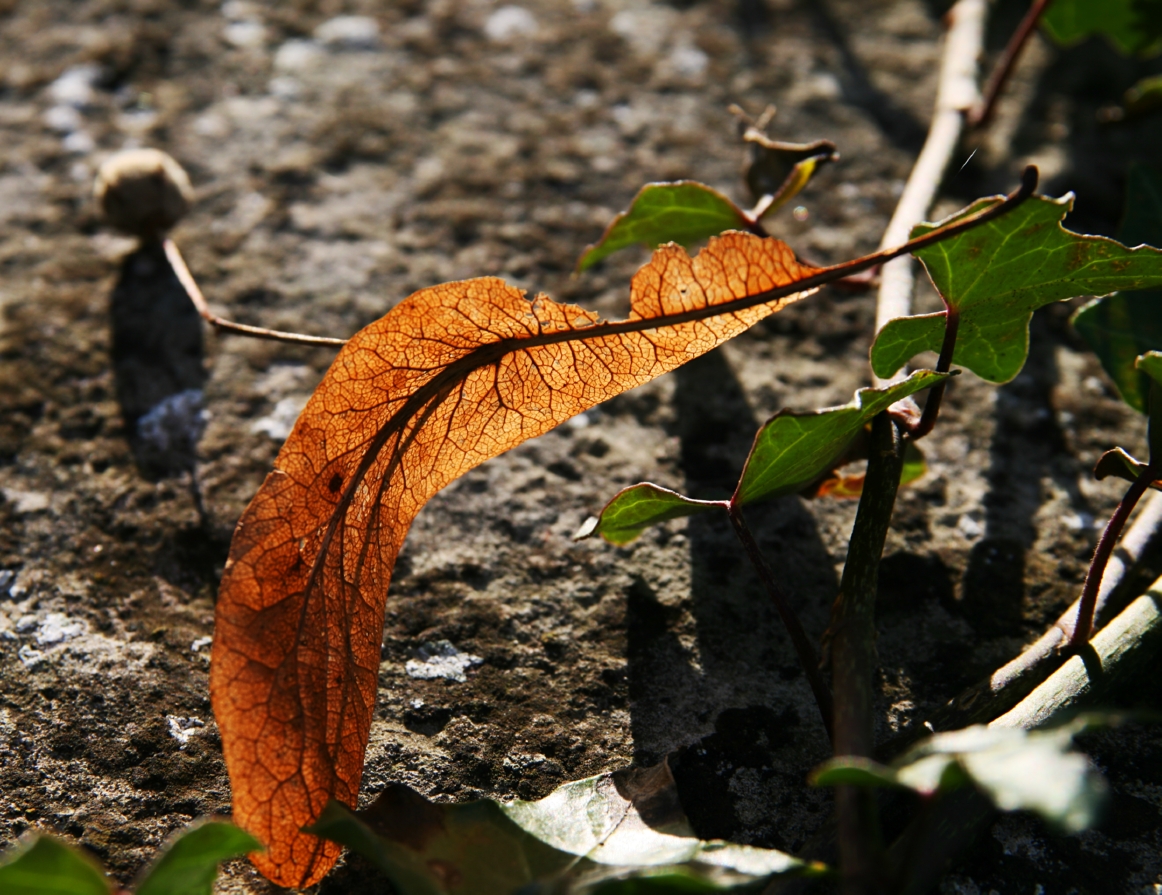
column 509, row 22
column 969, row 527
column 79, row 142
column 201, row 643
column 297, row 55
column 59, row 628
column 75, row 87
column 181, row 729
column 26, row 501
column 441, row 660
column 246, row 35
column 63, row 119
column 175, row 423
column 349, row 33
column 281, row 420
column 688, row 61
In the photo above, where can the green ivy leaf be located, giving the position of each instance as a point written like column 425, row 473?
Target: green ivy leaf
column 1132, row 26
column 682, row 212
column 189, row 864
column 1122, row 326
column 614, row 834
column 998, row 274
column 794, row 449
column 43, row 865
column 634, row 509
column 1017, row 769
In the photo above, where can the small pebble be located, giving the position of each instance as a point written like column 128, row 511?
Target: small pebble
column 142, row 192
column 349, row 32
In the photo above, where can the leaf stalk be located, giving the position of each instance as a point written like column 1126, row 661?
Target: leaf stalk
column 1101, row 556
column 182, row 272
column 981, row 114
column 943, row 365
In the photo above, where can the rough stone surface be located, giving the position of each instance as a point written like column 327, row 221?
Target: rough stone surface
column 345, row 154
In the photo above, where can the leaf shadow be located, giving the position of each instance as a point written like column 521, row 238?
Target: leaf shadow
column 1028, row 446
column 721, row 658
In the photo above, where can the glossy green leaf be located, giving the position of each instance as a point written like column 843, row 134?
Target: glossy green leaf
column 43, row 865
column 188, row 865
column 682, row 212
column 998, row 274
column 637, row 507
column 1132, row 26
column 1122, row 326
column 794, row 449
column 617, row 833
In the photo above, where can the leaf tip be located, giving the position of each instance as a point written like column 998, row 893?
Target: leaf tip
column 588, row 527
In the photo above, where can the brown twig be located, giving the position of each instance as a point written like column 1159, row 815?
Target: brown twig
column 178, row 263
column 806, row 652
column 981, row 113
column 1125, row 646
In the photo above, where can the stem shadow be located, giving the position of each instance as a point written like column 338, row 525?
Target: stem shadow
column 722, row 655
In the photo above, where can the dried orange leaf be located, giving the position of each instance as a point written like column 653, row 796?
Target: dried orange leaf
column 452, row 376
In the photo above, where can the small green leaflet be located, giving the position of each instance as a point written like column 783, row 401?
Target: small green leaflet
column 1122, row 326
column 614, row 834
column 790, row 452
column 998, row 274
column 189, row 864
column 43, row 865
column 1017, row 769
column 632, row 510
column 682, row 212
column 1132, row 26
column 794, row 449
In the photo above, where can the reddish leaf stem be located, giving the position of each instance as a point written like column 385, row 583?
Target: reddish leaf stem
column 182, row 272
column 1101, row 556
column 982, row 112
column 806, row 652
column 943, row 365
